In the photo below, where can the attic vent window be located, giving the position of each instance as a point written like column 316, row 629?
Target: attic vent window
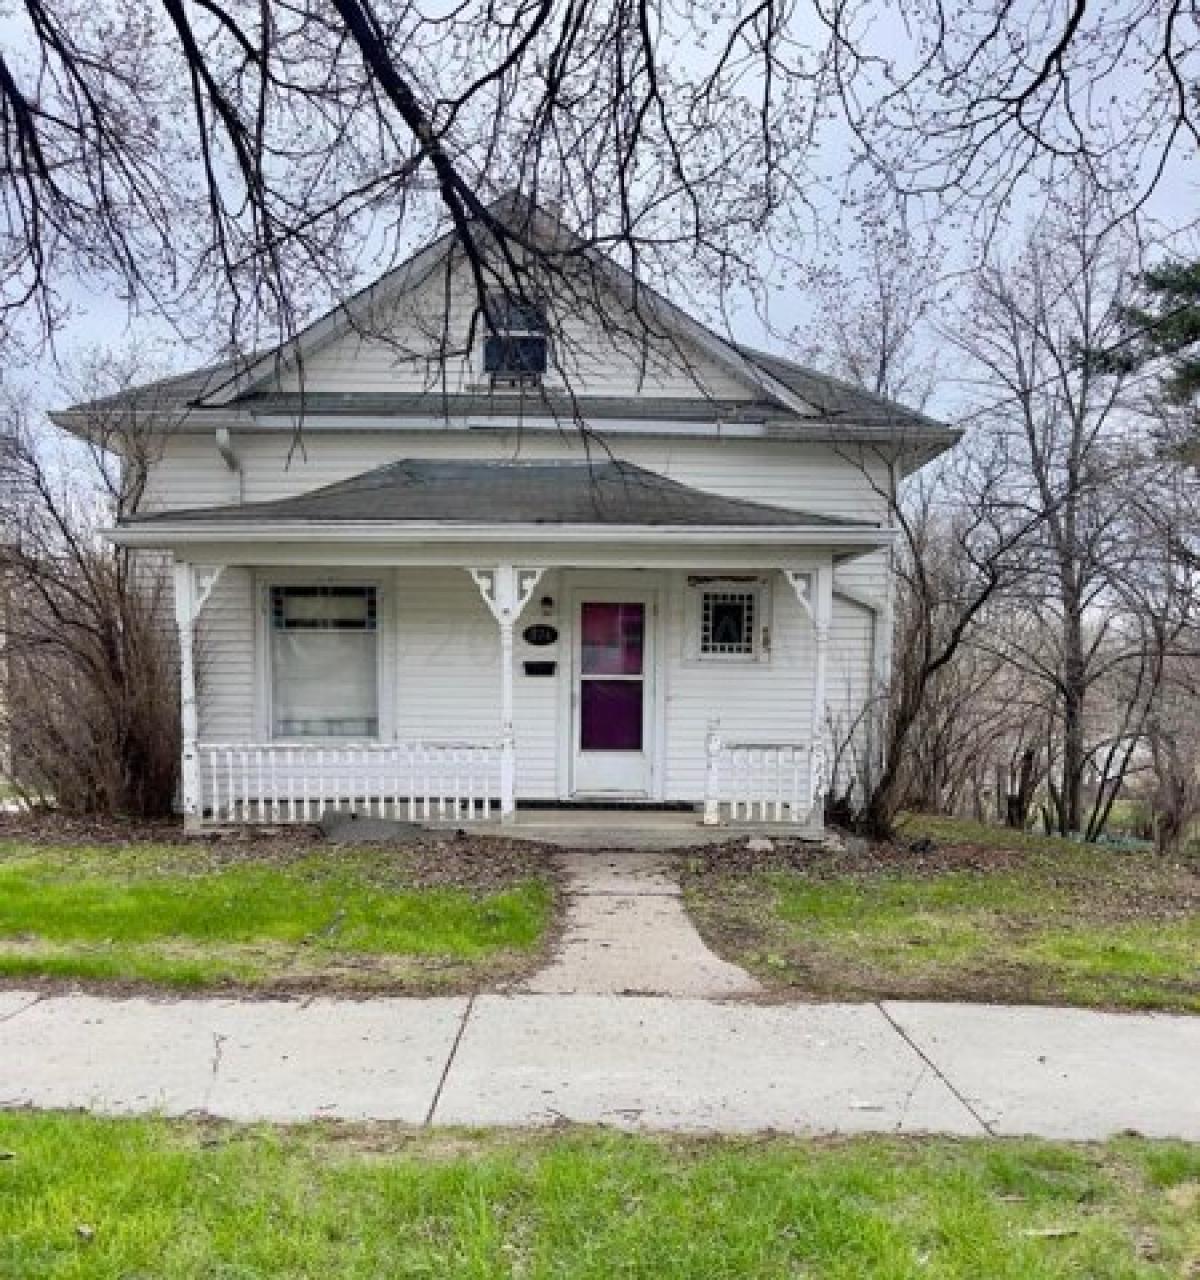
column 515, row 344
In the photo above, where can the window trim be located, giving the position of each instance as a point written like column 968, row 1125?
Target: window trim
column 267, row 582
column 697, row 588
column 486, row 329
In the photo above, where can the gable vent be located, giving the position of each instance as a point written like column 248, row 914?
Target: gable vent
column 517, row 350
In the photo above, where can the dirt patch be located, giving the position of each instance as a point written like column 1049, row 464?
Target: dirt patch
column 344, row 978
column 450, row 859
column 1046, row 926
column 1118, row 886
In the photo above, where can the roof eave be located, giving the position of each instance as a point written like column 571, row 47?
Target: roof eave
column 161, row 534
column 202, row 420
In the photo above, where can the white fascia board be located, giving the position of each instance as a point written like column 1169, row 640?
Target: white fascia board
column 321, row 557
column 618, row 426
column 162, row 534
column 184, row 420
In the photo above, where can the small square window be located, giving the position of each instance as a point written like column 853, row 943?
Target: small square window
column 727, row 623
column 515, row 341
column 727, row 619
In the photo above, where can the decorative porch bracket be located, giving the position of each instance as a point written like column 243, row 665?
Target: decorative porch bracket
column 814, row 591
column 194, row 584
column 506, row 590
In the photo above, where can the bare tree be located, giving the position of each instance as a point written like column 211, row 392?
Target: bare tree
column 90, row 705
column 1161, row 596
column 912, row 741
column 1024, row 329
column 249, row 156
column 956, row 557
column 873, row 318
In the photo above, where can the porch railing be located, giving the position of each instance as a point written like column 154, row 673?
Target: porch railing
column 759, row 781
column 278, row 783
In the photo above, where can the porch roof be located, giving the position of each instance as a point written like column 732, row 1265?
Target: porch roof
column 422, row 492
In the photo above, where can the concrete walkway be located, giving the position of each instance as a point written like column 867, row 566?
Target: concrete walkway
column 633, row 1062
column 627, row 934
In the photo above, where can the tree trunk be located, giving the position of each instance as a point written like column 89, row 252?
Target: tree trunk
column 1074, row 688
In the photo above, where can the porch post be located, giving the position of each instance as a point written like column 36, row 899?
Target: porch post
column 822, row 621
column 185, row 616
column 506, row 590
column 506, row 598
column 712, row 775
column 814, row 591
column 193, row 585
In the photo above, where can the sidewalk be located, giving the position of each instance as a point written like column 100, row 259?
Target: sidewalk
column 632, row 1061
column 626, row 933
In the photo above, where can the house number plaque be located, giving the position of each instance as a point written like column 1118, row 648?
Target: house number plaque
column 540, row 634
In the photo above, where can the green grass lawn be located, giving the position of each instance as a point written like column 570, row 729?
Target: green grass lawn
column 989, row 914
column 190, row 916
column 103, row 1198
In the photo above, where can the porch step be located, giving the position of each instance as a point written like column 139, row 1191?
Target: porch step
column 634, row 829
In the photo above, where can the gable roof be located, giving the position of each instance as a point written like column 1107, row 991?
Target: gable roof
column 792, row 402
column 538, row 226
column 530, row 493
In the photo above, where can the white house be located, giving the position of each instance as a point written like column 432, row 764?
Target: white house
column 550, row 560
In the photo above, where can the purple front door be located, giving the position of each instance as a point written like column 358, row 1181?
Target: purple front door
column 612, row 695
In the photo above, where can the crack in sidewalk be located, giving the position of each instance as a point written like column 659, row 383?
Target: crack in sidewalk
column 217, row 1058
column 937, row 1071
column 441, row 1084
column 912, row 1093
column 8, row 1017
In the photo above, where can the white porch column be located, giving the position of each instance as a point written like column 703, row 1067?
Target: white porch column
column 185, row 615
column 822, row 623
column 814, row 591
column 506, row 590
column 193, row 586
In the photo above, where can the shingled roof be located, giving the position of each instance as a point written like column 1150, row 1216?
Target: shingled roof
column 549, row 493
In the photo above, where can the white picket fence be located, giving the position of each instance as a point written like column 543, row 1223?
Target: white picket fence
column 408, row 781
column 758, row 781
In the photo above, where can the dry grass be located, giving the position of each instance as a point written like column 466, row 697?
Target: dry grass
column 978, row 915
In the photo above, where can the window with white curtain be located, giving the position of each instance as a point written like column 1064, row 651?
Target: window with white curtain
column 324, row 662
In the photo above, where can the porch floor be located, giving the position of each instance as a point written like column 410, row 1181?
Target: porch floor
column 582, row 828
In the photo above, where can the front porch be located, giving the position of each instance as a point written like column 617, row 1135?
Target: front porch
column 658, row 645
column 553, row 740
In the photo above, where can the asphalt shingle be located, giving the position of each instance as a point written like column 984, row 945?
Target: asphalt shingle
column 416, row 489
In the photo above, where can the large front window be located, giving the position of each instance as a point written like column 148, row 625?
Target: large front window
column 324, row 662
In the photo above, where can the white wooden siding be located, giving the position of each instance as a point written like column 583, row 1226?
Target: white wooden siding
column 226, row 661
column 764, row 701
column 812, row 477
column 585, row 357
